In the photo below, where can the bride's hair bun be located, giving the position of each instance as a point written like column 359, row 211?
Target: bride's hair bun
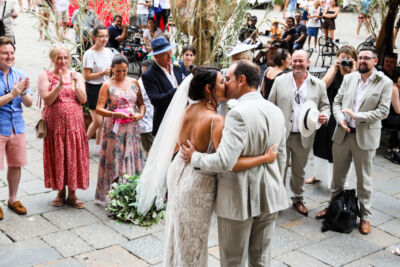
column 202, row 75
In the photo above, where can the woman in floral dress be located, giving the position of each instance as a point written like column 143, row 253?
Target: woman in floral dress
column 120, row 148
column 65, row 147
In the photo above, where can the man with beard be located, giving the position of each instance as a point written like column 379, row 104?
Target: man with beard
column 362, row 101
column 117, row 33
column 289, row 92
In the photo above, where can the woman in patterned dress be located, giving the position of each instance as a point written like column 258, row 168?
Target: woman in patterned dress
column 65, row 147
column 120, row 148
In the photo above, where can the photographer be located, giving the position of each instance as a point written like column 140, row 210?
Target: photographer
column 346, row 62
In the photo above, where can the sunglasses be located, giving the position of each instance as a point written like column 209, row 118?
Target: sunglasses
column 297, row 97
column 7, row 92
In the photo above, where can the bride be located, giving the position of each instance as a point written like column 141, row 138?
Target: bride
column 191, row 194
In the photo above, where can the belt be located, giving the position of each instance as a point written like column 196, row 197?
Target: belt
column 295, row 133
column 352, row 130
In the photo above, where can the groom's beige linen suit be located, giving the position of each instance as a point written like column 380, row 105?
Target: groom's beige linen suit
column 298, row 147
column 247, row 201
column 361, row 143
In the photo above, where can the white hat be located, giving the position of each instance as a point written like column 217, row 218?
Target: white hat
column 308, row 119
column 241, row 47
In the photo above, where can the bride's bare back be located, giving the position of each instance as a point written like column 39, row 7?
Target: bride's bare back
column 196, row 127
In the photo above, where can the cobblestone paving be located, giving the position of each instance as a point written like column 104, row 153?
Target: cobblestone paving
column 49, row 236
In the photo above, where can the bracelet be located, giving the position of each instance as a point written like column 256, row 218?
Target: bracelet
column 23, row 94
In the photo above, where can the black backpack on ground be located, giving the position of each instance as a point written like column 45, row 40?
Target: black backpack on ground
column 342, row 213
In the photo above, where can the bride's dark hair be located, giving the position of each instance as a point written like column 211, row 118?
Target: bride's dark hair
column 202, row 75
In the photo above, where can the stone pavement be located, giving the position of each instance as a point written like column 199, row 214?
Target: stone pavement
column 49, row 236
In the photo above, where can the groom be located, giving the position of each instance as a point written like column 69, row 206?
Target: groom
column 247, row 201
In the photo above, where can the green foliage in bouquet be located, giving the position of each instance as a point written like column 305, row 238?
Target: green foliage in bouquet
column 123, row 205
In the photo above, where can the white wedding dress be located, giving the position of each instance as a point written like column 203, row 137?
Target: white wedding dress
column 191, row 197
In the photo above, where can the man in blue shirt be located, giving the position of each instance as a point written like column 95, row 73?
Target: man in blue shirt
column 14, row 90
column 116, row 32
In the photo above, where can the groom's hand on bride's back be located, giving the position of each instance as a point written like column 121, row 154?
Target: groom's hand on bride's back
column 187, row 151
column 270, row 155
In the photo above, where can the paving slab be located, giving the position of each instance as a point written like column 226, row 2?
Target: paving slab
column 131, row 231
column 27, row 228
column 392, row 227
column 213, row 262
column 97, row 210
column 340, row 249
column 148, row 248
column 27, row 253
column 318, row 193
column 277, row 263
column 299, row 259
column 284, row 241
column 377, row 237
column 67, row 262
column 385, row 203
column 39, row 203
column 69, row 218
column 379, row 217
column 287, row 215
column 34, row 169
column 306, row 227
column 383, row 172
column 4, row 240
column 67, row 243
column 113, row 256
column 98, row 235
column 382, row 258
column 4, row 193
column 390, row 186
column 34, row 186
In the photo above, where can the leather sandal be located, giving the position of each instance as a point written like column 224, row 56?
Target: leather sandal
column 59, row 200
column 17, row 207
column 312, row 180
column 75, row 203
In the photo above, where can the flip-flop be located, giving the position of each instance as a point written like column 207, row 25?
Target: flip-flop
column 312, row 180
column 396, row 251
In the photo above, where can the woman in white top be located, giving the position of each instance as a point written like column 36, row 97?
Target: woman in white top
column 142, row 12
column 150, row 33
column 96, row 70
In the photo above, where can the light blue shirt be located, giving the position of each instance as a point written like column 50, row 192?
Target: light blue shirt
column 11, row 113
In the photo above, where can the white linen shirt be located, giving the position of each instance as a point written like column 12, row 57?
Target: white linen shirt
column 171, row 77
column 146, row 124
column 297, row 107
column 360, row 91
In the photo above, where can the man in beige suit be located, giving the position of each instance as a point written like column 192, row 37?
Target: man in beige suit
column 289, row 92
column 363, row 100
column 247, row 201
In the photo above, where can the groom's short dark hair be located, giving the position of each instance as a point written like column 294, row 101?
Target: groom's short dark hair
column 248, row 69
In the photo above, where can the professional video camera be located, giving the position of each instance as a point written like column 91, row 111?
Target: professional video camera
column 133, row 48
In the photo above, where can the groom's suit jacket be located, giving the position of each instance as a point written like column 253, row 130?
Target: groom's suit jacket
column 375, row 105
column 250, row 129
column 282, row 96
column 160, row 91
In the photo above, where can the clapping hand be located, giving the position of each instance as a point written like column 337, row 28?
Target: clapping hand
column 61, row 82
column 344, row 125
column 350, row 112
column 19, row 87
column 187, row 151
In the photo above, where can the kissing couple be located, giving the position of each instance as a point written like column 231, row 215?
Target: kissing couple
column 227, row 163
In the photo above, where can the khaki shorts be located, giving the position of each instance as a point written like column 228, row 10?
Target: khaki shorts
column 14, row 147
column 147, row 140
column 62, row 16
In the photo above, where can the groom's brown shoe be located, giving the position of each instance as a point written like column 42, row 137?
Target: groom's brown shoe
column 1, row 214
column 321, row 214
column 300, row 207
column 365, row 227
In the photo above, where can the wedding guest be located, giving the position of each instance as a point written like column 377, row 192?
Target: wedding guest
column 65, row 147
column 120, row 149
column 8, row 13
column 330, row 15
column 314, row 22
column 281, row 59
column 275, row 30
column 96, row 70
column 14, row 91
column 117, row 32
column 150, row 33
column 188, row 55
column 290, row 33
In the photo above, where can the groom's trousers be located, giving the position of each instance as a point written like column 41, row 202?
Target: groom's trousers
column 249, row 238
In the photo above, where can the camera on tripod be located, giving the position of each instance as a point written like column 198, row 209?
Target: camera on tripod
column 132, row 47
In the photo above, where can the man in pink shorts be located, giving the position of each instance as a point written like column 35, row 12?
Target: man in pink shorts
column 14, row 90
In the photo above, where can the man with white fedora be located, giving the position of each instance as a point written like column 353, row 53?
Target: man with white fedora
column 292, row 93
column 161, row 79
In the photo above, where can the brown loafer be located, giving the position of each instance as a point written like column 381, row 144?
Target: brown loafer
column 17, row 207
column 365, row 228
column 1, row 214
column 300, row 207
column 321, row 214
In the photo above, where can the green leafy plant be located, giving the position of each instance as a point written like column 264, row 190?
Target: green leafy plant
column 85, row 108
column 123, row 204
